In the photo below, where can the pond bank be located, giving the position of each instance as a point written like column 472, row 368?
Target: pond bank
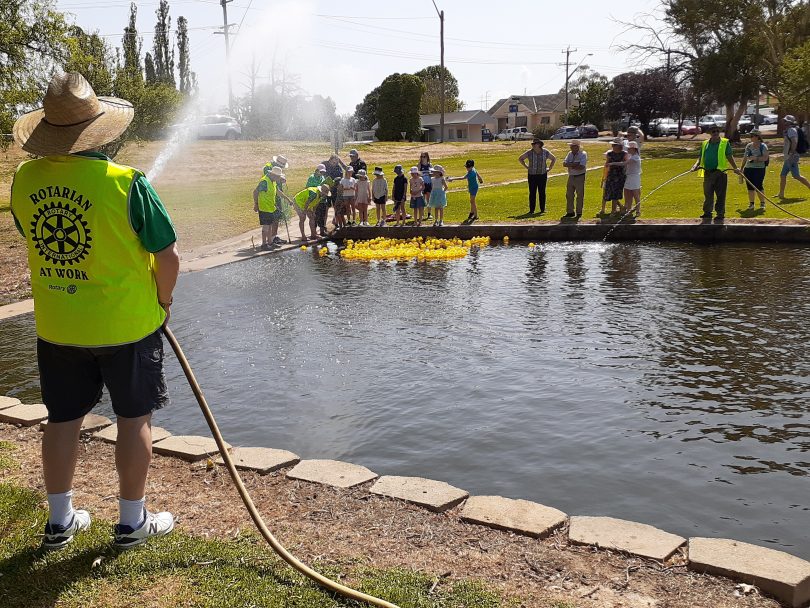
column 323, row 522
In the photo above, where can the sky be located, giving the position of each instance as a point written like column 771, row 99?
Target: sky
column 344, row 50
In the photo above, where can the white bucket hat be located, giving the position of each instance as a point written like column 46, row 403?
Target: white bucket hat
column 278, row 172
column 281, row 161
column 321, row 168
column 72, row 119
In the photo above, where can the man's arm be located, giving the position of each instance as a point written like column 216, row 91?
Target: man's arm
column 166, row 269
column 793, row 142
column 730, row 157
column 553, row 161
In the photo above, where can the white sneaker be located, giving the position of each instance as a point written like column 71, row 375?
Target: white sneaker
column 155, row 524
column 382, row 223
column 57, row 537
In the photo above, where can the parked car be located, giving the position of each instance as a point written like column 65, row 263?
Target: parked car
column 588, row 131
column 218, row 126
column 769, row 119
column 487, row 135
column 712, row 120
column 567, row 132
column 745, row 124
column 661, row 127
column 688, row 127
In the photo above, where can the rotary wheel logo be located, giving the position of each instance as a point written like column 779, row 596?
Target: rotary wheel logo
column 60, row 234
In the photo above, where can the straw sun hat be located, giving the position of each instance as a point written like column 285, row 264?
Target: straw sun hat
column 72, row 119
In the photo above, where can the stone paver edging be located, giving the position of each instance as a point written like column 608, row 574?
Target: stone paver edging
column 777, row 573
column 435, row 495
column 187, row 447
column 332, row 473
column 621, row 535
column 515, row 515
column 110, row 434
column 6, row 402
column 24, row 415
column 261, row 460
column 780, row 574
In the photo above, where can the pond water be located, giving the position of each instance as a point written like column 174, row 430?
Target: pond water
column 666, row 384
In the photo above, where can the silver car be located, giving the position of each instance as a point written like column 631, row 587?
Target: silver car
column 567, row 132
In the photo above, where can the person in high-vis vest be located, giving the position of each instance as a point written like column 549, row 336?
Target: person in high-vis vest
column 716, row 156
column 305, row 203
column 265, row 203
column 103, row 261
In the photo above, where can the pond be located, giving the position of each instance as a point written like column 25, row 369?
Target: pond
column 666, row 384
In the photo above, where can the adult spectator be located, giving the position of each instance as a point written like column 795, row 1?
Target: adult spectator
column 265, row 203
column 103, row 270
column 715, row 158
column 356, row 162
column 790, row 151
column 538, row 167
column 576, row 162
column 755, row 159
column 633, row 134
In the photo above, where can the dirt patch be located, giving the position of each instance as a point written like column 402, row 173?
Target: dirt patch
column 347, row 526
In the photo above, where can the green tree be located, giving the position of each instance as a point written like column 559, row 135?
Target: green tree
column 398, row 107
column 89, row 55
column 365, row 113
column 31, row 36
column 794, row 77
column 149, row 68
column 184, row 57
column 131, row 45
column 593, row 94
column 163, row 50
column 644, row 95
column 432, row 97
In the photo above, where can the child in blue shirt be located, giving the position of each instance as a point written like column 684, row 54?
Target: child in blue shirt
column 473, row 180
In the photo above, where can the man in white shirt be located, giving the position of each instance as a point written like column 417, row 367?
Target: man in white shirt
column 791, row 156
column 575, row 161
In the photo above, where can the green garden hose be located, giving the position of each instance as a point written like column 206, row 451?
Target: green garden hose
column 243, row 493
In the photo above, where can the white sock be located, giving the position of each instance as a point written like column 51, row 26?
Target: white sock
column 60, row 508
column 131, row 512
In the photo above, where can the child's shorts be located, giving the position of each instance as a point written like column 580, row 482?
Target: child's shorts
column 418, row 202
column 380, row 200
column 399, row 205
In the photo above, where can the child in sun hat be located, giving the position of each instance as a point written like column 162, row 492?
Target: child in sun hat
column 399, row 195
column 362, row 198
column 438, row 194
column 474, row 179
column 379, row 192
column 417, row 188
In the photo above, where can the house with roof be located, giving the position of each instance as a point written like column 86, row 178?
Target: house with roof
column 458, row 126
column 532, row 111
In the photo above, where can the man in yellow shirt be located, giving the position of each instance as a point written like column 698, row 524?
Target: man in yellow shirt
column 103, row 261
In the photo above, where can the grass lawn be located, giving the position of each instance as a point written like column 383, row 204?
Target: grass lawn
column 182, row 570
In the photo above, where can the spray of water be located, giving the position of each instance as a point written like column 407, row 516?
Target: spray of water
column 180, row 133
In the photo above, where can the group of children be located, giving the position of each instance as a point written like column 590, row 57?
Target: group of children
column 426, row 187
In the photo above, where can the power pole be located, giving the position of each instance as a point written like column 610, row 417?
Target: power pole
column 441, row 75
column 226, row 31
column 669, row 62
column 567, row 52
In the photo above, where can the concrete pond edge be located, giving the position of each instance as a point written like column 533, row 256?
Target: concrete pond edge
column 783, row 576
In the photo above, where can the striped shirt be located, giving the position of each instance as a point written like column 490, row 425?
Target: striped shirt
column 537, row 161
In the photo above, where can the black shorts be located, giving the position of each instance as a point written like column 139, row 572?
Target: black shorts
column 72, row 378
column 380, row 200
column 266, row 218
column 428, row 186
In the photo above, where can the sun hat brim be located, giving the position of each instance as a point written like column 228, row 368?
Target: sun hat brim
column 36, row 136
column 284, row 165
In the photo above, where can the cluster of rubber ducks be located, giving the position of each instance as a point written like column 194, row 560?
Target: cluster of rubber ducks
column 420, row 249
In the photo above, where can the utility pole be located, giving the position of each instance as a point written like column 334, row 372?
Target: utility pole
column 226, row 31
column 567, row 52
column 669, row 61
column 441, row 76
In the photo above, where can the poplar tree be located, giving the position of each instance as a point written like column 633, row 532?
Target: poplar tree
column 149, row 68
column 184, row 56
column 163, row 51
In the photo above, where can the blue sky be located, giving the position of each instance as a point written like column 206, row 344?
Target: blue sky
column 344, row 50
